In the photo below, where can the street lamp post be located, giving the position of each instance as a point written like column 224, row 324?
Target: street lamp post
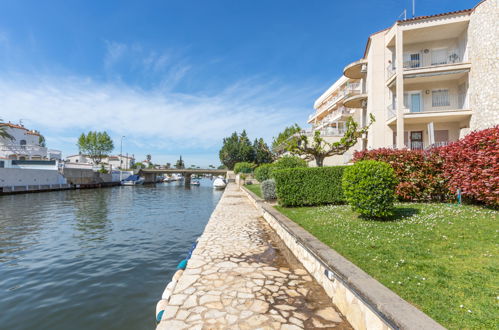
column 121, row 157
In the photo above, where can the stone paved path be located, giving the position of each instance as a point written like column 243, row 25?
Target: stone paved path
column 240, row 276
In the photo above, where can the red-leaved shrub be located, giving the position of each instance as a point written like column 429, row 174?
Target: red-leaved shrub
column 472, row 165
column 420, row 173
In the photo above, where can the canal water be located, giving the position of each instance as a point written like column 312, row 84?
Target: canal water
column 97, row 258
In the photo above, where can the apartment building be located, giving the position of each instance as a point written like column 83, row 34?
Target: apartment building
column 428, row 81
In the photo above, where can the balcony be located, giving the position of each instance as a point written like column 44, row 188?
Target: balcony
column 390, row 71
column 348, row 90
column 440, row 105
column 336, row 114
column 418, row 145
column 391, row 111
column 432, row 57
column 356, row 69
column 23, row 150
column 325, row 132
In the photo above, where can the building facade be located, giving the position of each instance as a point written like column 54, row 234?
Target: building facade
column 25, row 145
column 115, row 162
column 428, row 81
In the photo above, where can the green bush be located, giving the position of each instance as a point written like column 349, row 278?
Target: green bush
column 244, row 167
column 268, row 189
column 289, row 162
column 262, row 172
column 309, row 186
column 369, row 188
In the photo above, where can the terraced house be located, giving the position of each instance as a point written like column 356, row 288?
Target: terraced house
column 428, row 81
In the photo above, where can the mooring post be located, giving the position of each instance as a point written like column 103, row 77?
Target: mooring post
column 187, row 179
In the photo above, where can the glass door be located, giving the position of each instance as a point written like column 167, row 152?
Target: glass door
column 417, row 140
column 415, row 104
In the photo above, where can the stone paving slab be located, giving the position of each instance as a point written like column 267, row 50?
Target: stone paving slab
column 240, row 276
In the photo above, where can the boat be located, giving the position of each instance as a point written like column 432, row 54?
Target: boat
column 219, row 183
column 133, row 180
column 167, row 179
column 195, row 183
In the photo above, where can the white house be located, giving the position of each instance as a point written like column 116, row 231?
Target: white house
column 25, row 145
column 114, row 161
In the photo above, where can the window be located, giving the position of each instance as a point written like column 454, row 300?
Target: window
column 23, row 144
column 440, row 98
column 414, row 61
column 2, row 164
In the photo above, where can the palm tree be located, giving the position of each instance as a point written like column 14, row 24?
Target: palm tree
column 3, row 132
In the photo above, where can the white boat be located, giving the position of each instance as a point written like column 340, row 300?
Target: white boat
column 167, row 179
column 195, row 183
column 219, row 183
column 133, row 180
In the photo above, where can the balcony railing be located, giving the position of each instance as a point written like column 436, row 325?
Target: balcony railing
column 326, row 131
column 391, row 111
column 24, row 150
column 390, row 71
column 435, row 100
column 418, row 145
column 351, row 88
column 432, row 57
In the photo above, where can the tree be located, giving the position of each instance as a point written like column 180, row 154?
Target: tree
column 236, row 148
column 138, row 165
column 41, row 141
column 279, row 143
column 168, row 165
column 3, row 131
column 96, row 145
column 318, row 149
column 180, row 163
column 148, row 158
column 211, row 166
column 263, row 154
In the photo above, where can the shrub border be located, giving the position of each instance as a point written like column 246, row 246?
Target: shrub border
column 391, row 310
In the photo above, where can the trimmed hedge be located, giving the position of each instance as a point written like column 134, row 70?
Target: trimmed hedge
column 309, row 186
column 369, row 188
column 244, row 167
column 263, row 171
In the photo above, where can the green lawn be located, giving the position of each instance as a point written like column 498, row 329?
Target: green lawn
column 441, row 258
column 255, row 188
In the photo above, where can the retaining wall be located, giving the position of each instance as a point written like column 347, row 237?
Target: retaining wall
column 365, row 302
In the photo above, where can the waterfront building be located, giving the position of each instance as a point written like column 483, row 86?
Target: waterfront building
column 112, row 161
column 427, row 80
column 25, row 145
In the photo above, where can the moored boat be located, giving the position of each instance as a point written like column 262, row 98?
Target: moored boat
column 219, row 183
column 133, row 180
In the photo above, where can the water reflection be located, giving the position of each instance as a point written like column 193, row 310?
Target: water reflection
column 91, row 214
column 95, row 259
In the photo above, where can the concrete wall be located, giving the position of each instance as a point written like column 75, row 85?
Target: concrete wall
column 484, row 55
column 24, row 177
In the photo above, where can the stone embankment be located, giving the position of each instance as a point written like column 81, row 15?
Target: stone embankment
column 241, row 276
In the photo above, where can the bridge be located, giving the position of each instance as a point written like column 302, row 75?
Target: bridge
column 149, row 174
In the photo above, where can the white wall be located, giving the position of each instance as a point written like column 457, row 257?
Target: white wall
column 25, row 177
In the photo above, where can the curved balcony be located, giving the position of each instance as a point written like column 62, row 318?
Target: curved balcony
column 354, row 70
column 355, row 101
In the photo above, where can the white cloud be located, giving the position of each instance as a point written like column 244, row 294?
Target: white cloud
column 152, row 120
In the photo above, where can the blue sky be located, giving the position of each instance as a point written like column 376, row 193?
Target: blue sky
column 175, row 77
